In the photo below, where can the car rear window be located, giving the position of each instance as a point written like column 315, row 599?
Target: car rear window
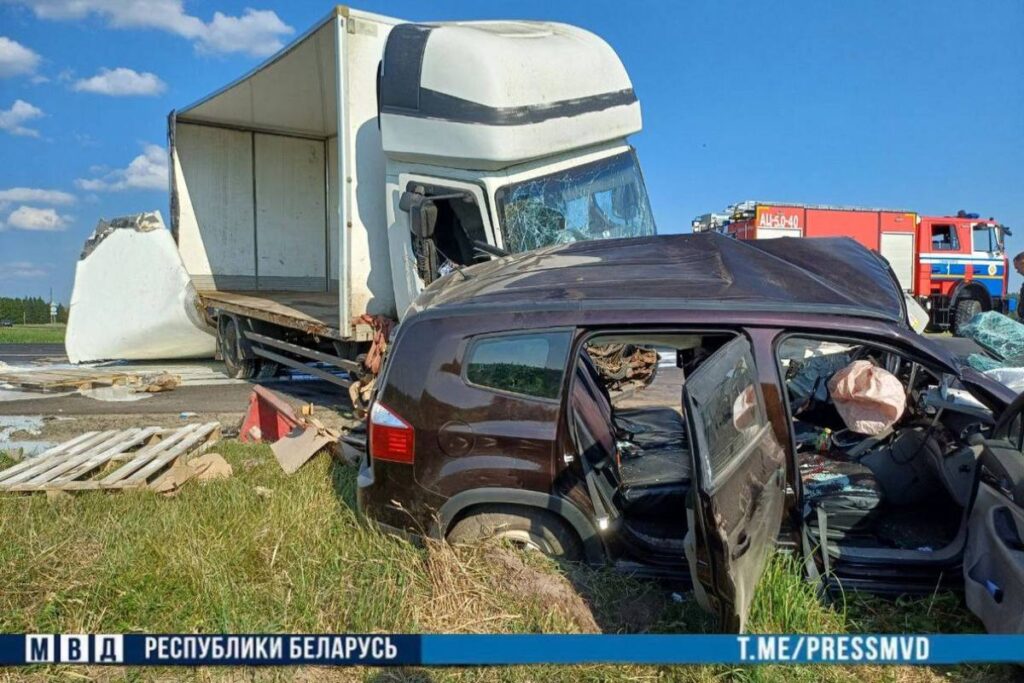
column 527, row 364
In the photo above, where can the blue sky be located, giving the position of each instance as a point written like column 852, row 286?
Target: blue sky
column 916, row 105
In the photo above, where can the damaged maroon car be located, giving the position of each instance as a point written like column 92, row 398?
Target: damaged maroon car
column 782, row 399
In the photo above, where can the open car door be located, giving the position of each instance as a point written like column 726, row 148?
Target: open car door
column 994, row 557
column 738, row 494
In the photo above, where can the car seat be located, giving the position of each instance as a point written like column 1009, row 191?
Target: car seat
column 648, row 445
column 847, row 492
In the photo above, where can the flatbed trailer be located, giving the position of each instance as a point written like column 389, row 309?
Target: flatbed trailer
column 314, row 313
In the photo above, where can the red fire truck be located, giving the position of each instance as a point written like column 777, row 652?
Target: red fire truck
column 954, row 265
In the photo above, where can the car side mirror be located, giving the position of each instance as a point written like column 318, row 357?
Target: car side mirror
column 422, row 212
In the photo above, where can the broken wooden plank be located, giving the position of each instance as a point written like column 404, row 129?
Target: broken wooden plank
column 66, row 379
column 53, row 450
column 68, row 465
column 102, row 458
column 44, row 470
column 39, row 464
column 209, row 431
column 145, row 455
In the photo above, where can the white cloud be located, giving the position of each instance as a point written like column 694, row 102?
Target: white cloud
column 256, row 32
column 148, row 171
column 121, row 81
column 16, row 59
column 20, row 112
column 13, row 270
column 34, row 218
column 34, row 195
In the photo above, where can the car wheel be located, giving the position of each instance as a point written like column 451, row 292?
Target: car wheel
column 237, row 367
column 965, row 310
column 526, row 528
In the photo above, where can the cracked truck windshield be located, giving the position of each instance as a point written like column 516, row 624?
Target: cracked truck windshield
column 599, row 200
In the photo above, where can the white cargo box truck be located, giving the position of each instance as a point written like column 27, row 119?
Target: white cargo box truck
column 371, row 157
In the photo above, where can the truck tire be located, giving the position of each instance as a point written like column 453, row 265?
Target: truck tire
column 965, row 310
column 228, row 337
column 525, row 527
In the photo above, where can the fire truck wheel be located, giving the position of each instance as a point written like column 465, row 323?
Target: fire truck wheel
column 965, row 310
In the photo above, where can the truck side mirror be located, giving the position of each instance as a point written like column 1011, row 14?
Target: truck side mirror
column 422, row 212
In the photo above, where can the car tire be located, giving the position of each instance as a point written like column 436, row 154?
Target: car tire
column 965, row 310
column 228, row 338
column 524, row 527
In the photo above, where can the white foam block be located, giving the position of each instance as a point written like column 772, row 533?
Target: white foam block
column 133, row 300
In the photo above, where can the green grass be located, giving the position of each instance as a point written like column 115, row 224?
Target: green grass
column 32, row 334
column 220, row 557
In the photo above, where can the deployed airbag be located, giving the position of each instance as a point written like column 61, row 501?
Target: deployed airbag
column 868, row 398
column 132, row 298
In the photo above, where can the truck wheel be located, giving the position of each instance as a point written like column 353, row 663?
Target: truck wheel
column 227, row 339
column 528, row 528
column 965, row 310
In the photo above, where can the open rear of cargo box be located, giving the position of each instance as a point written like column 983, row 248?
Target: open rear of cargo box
column 277, row 216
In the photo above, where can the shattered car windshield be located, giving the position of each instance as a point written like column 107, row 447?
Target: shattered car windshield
column 599, row 200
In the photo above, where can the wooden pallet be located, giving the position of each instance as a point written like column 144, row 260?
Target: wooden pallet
column 144, row 453
column 66, row 379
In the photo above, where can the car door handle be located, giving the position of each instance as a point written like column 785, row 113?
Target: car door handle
column 742, row 547
column 1006, row 529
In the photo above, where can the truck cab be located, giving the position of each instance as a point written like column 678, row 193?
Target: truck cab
column 512, row 135
column 963, row 267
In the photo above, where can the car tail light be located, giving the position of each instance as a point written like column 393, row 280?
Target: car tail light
column 391, row 437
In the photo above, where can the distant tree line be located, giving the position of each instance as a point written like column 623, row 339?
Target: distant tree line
column 29, row 309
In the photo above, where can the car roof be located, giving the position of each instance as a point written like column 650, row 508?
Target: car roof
column 835, row 276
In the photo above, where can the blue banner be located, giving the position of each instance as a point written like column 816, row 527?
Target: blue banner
column 468, row 650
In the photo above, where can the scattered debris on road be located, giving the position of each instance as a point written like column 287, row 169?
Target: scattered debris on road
column 103, row 384
column 163, row 381
column 204, row 468
column 269, row 417
column 83, row 463
column 65, row 379
column 294, row 440
column 13, row 424
column 298, row 447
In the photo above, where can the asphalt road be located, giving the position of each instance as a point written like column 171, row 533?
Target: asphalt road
column 222, row 397
column 19, row 354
